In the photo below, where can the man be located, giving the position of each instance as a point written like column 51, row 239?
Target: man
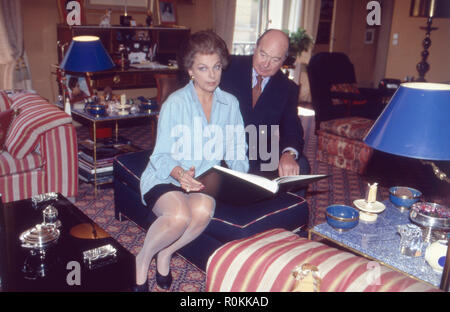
column 268, row 98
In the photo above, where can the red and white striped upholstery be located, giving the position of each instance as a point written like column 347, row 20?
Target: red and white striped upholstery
column 5, row 101
column 10, row 165
column 36, row 116
column 50, row 165
column 265, row 262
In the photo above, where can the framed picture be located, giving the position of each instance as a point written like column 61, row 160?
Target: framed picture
column 369, row 36
column 62, row 9
column 167, row 12
column 118, row 5
column 76, row 87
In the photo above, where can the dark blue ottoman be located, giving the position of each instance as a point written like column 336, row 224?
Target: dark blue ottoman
column 286, row 211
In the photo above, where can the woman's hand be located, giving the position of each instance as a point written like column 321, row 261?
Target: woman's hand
column 187, row 181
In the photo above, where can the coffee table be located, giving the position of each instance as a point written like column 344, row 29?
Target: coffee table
column 379, row 241
column 112, row 274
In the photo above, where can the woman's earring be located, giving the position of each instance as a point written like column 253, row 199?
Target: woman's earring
column 192, row 77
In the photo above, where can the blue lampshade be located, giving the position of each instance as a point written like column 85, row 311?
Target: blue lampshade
column 86, row 54
column 415, row 123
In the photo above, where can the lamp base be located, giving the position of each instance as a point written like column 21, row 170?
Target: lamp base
column 437, row 172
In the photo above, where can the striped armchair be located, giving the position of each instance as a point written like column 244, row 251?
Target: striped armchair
column 39, row 150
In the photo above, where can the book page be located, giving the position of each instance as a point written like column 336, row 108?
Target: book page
column 269, row 185
column 287, row 179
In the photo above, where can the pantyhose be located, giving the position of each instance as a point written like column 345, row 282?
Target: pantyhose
column 181, row 218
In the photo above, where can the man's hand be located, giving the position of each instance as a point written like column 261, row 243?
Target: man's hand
column 288, row 165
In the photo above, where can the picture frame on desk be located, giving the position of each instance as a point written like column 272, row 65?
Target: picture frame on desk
column 76, row 86
column 167, row 12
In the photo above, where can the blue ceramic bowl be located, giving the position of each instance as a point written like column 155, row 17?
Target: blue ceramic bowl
column 403, row 201
column 342, row 217
column 96, row 109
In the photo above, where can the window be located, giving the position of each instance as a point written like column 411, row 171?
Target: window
column 247, row 25
column 253, row 17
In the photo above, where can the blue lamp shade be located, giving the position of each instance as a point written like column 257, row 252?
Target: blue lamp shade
column 86, row 54
column 415, row 123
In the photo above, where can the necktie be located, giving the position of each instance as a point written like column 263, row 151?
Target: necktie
column 256, row 91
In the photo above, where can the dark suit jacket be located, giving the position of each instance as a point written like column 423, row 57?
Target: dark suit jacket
column 277, row 105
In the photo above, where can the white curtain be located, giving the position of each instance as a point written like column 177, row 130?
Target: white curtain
column 14, row 72
column 305, row 14
column 310, row 13
column 224, row 18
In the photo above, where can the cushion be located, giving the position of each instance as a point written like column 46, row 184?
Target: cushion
column 36, row 116
column 10, row 165
column 266, row 261
column 349, row 127
column 233, row 222
column 5, row 101
column 343, row 90
column 6, row 118
column 26, row 100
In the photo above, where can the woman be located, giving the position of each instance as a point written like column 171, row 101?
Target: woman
column 183, row 151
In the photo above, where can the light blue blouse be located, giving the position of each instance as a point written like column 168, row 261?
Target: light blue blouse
column 186, row 139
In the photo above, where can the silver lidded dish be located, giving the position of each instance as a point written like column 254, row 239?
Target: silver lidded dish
column 433, row 218
column 39, row 237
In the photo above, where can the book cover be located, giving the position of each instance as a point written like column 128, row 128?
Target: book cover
column 89, row 177
column 237, row 188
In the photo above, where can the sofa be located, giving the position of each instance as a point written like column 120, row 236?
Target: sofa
column 229, row 222
column 38, row 148
column 267, row 261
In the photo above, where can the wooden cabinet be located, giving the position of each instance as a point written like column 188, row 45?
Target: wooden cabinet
column 168, row 42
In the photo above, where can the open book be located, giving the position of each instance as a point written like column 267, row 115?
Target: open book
column 238, row 188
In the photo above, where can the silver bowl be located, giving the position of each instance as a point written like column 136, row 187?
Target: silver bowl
column 433, row 218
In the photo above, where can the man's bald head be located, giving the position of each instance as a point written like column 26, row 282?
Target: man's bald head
column 270, row 53
column 275, row 35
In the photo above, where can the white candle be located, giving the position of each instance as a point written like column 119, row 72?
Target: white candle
column 123, row 100
column 372, row 197
column 432, row 5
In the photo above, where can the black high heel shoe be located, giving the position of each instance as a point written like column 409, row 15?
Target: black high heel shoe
column 141, row 288
column 163, row 282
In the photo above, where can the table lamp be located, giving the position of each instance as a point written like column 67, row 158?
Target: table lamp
column 86, row 54
column 416, row 124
